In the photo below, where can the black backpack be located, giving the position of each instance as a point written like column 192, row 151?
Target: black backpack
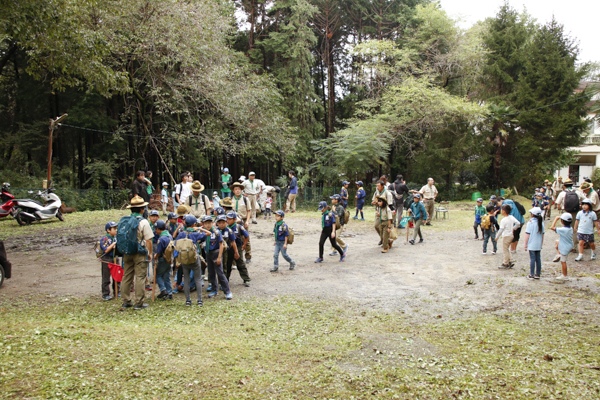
column 520, row 208
column 571, row 202
column 408, row 202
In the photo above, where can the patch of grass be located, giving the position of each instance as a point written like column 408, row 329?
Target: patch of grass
column 289, row 348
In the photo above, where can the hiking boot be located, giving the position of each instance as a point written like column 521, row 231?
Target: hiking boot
column 127, row 305
column 212, row 294
column 579, row 257
column 274, row 269
column 140, row 306
column 162, row 294
column 318, row 260
column 333, row 253
column 411, row 241
column 200, row 303
column 292, row 265
column 556, row 258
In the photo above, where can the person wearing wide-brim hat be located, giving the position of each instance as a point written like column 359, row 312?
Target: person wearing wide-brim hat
column 558, row 186
column 252, row 190
column 588, row 191
column 384, row 219
column 562, row 199
column 240, row 204
column 199, row 204
column 226, row 203
column 136, row 265
column 182, row 210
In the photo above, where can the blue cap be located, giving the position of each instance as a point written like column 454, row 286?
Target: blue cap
column 110, row 224
column 359, row 183
column 225, row 169
column 345, row 183
column 154, row 212
column 160, row 224
column 232, row 215
column 222, row 217
column 417, row 196
column 280, row 213
column 493, row 197
column 220, row 211
column 480, row 200
column 322, row 205
column 172, row 215
column 335, row 197
column 190, row 220
column 207, row 218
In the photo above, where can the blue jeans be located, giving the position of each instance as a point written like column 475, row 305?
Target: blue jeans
column 163, row 276
column 279, row 248
column 225, row 194
column 535, row 262
column 487, row 235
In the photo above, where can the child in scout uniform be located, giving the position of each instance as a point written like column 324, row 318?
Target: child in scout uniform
column 172, row 224
column 198, row 203
column 164, row 197
column 339, row 211
column 479, row 212
column 489, row 227
column 344, row 194
column 564, row 244
column 584, row 225
column 192, row 262
column 281, row 232
column 163, row 266
column 540, row 203
column 241, row 240
column 152, row 219
column 384, row 215
column 107, row 246
column 214, row 255
column 360, row 200
column 328, row 226
column 241, row 205
column 419, row 214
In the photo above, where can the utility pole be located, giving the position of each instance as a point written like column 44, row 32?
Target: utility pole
column 53, row 125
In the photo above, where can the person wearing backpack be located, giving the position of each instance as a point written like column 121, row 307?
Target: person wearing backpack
column 182, row 190
column 340, row 213
column 344, row 195
column 328, row 232
column 360, row 200
column 162, row 257
column 241, row 240
column 199, row 204
column 134, row 241
column 569, row 200
column 241, row 205
column 489, row 227
column 107, row 247
column 214, row 256
column 479, row 212
column 399, row 190
column 186, row 252
column 517, row 211
column 587, row 189
column 281, row 232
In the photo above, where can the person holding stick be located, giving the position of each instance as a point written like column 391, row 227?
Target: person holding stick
column 107, row 247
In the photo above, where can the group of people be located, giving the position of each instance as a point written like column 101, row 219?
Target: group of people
column 580, row 214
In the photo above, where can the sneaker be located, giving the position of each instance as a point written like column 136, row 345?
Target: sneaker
column 421, row 241
column 292, row 265
column 530, row 277
column 205, row 278
column 593, row 257
column 504, row 266
column 162, row 294
column 333, row 253
column 561, row 279
column 362, row 219
column 127, row 305
column 556, row 258
column 343, row 257
column 579, row 257
column 318, row 260
column 188, row 303
column 274, row 269
column 254, row 222
column 512, row 264
column 200, row 303
column 148, row 287
column 493, row 253
column 140, row 306
column 355, row 217
column 106, row 298
column 411, row 241
column 229, row 296
column 484, row 253
column 212, row 294
column 536, row 276
column 209, row 288
column 247, row 283
column 346, row 249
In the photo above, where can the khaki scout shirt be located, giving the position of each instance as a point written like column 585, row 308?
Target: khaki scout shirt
column 239, row 206
column 251, row 187
column 199, row 206
column 561, row 198
column 144, row 231
column 386, row 193
column 429, row 192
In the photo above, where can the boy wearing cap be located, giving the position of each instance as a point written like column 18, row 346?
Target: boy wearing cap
column 344, row 194
column 360, row 200
column 225, row 180
column 191, row 233
column 241, row 240
column 584, row 226
column 494, row 203
column 328, row 226
column 480, row 211
column 419, row 214
column 163, row 266
column 214, row 255
column 281, row 233
column 107, row 246
column 164, row 197
column 564, row 244
column 231, row 253
column 339, row 211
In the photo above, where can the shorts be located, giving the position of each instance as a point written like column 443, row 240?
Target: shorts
column 563, row 258
column 516, row 234
column 585, row 237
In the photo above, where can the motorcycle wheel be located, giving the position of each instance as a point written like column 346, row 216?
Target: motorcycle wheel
column 60, row 216
column 21, row 221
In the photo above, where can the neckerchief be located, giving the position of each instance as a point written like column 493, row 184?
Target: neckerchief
column 277, row 225
column 164, row 233
column 196, row 205
column 237, row 200
column 136, row 215
column 323, row 219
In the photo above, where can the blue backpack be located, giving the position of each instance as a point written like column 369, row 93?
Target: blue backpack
column 127, row 243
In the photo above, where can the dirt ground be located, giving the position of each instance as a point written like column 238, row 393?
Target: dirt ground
column 445, row 276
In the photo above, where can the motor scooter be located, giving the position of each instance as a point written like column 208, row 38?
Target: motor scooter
column 8, row 205
column 30, row 210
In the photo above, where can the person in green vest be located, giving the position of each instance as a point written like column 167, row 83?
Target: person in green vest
column 225, row 181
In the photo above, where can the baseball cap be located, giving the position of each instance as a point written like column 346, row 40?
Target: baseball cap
column 493, row 197
column 251, row 173
column 280, row 213
column 207, row 218
column 154, row 212
column 225, row 169
column 536, row 211
column 172, row 215
column 322, row 205
column 586, row 201
column 160, row 224
column 220, row 211
column 566, row 217
column 165, row 184
column 540, row 194
column 480, row 200
column 110, row 224
column 232, row 215
column 359, row 183
column 335, row 197
column 215, row 194
column 417, row 196
column 190, row 220
column 222, row 217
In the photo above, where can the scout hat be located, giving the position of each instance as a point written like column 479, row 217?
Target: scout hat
column 226, row 202
column 197, row 186
column 182, row 210
column 237, row 184
column 586, row 185
column 568, row 181
column 136, row 202
column 546, row 181
column 382, row 198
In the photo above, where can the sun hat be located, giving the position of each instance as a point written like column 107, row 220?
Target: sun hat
column 536, row 211
column 190, row 220
column 222, row 217
column 160, row 224
column 226, row 202
column 109, row 225
column 586, row 185
column 136, row 202
column 322, row 205
column 242, row 178
column 207, row 218
column 182, row 210
column 382, row 198
column 566, row 217
column 280, row 213
column 197, row 186
column 568, row 181
column 237, row 184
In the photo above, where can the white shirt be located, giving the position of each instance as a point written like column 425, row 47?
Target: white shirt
column 184, row 190
column 561, row 198
column 507, row 226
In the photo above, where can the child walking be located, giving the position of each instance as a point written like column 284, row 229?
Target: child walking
column 564, row 244
column 268, row 205
column 360, row 200
column 489, row 227
column 186, row 249
column 480, row 211
column 384, row 227
column 506, row 232
column 241, row 239
column 328, row 226
column 214, row 255
column 281, row 232
column 534, row 239
column 584, row 225
column 419, row 214
column 163, row 262
column 107, row 246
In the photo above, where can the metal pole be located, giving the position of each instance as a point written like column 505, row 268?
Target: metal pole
column 53, row 124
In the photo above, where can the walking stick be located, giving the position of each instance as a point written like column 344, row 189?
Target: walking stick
column 116, row 288
column 154, row 282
